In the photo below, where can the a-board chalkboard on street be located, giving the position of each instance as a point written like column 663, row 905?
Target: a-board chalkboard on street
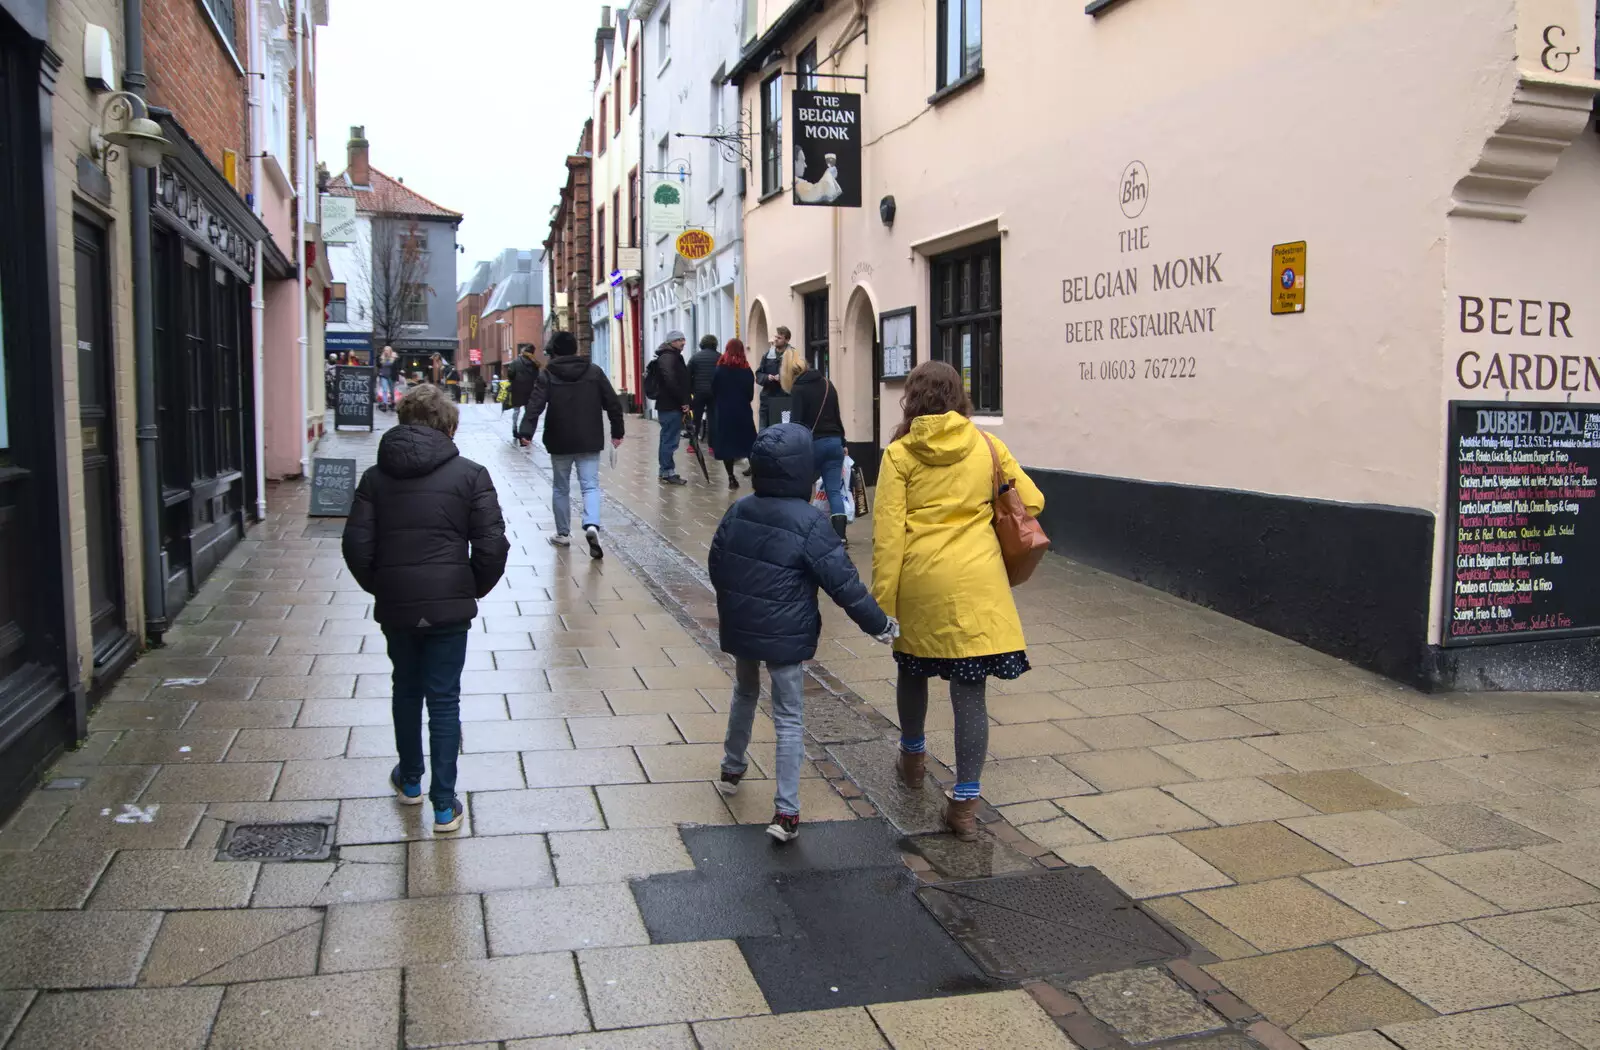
column 333, row 487
column 1523, row 521
column 352, row 392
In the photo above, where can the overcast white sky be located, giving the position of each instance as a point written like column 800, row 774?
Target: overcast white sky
column 475, row 103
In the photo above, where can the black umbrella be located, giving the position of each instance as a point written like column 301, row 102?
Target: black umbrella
column 695, row 443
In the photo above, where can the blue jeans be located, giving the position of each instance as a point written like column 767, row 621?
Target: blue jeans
column 788, row 685
column 427, row 668
column 588, row 464
column 828, row 454
column 671, row 431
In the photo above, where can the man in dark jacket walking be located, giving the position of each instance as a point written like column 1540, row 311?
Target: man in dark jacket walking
column 702, row 366
column 426, row 539
column 523, row 375
column 579, row 398
column 667, row 381
column 769, row 556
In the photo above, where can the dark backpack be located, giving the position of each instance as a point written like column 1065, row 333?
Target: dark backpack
column 652, row 379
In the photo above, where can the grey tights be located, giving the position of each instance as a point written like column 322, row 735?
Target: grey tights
column 972, row 720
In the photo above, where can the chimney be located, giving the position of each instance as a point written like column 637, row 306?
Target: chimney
column 605, row 16
column 358, row 167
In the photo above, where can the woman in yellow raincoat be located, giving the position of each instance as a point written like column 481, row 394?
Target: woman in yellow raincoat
column 936, row 567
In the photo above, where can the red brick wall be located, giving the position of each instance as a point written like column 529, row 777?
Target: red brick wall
column 192, row 74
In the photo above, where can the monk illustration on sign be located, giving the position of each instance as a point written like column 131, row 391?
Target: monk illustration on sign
column 825, row 189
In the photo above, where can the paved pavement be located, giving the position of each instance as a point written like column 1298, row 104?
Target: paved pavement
column 1345, row 857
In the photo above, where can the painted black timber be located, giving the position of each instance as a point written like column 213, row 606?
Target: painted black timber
column 1347, row 579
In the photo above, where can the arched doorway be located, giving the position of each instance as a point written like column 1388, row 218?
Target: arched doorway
column 863, row 422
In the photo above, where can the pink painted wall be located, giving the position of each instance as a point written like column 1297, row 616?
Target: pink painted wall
column 280, row 381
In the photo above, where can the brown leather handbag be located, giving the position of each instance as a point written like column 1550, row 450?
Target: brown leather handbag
column 1022, row 540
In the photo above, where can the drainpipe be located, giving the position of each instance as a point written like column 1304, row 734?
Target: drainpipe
column 644, row 231
column 144, row 352
column 304, row 342
column 258, row 290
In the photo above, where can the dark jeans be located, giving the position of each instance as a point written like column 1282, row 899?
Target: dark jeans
column 702, row 417
column 671, row 430
column 828, row 456
column 427, row 668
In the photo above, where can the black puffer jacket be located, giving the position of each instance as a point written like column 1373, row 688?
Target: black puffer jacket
column 578, row 398
column 816, row 405
column 771, row 553
column 523, row 374
column 702, row 366
column 674, row 392
column 425, row 536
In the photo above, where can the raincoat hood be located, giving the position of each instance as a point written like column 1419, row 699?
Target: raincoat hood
column 941, row 440
column 781, row 462
column 410, row 451
column 568, row 368
column 668, row 348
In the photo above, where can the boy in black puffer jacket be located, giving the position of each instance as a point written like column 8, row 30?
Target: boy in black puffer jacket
column 770, row 554
column 425, row 537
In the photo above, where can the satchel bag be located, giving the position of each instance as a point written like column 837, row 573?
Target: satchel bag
column 1022, row 540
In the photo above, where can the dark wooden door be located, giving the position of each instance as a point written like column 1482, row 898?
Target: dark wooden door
column 97, row 420
column 816, row 331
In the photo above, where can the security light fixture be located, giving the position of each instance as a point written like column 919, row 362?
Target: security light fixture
column 886, row 210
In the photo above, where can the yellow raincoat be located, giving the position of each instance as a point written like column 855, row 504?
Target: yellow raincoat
column 936, row 564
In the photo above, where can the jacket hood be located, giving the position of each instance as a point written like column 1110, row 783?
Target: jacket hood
column 781, row 463
column 568, row 368
column 667, row 348
column 410, row 451
column 941, row 440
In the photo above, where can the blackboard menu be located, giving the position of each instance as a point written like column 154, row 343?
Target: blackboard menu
column 1524, row 521
column 352, row 392
column 333, row 487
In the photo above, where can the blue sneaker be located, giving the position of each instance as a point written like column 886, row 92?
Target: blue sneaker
column 448, row 817
column 408, row 791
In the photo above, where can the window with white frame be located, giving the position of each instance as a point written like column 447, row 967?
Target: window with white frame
column 713, row 127
column 664, row 35
column 772, row 134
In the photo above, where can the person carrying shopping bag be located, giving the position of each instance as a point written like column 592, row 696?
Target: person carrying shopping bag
column 815, row 405
column 938, row 567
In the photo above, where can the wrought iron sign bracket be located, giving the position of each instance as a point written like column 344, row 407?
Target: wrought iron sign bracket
column 861, row 76
column 734, row 140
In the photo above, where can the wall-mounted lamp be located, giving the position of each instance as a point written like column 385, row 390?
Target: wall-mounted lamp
column 886, row 210
column 139, row 137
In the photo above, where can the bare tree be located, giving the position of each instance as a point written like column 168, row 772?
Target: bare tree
column 399, row 284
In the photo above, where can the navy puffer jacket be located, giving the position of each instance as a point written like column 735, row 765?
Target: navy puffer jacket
column 771, row 553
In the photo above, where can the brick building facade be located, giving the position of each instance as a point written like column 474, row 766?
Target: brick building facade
column 195, row 63
column 570, row 245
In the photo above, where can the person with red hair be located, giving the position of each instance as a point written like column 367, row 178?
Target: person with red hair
column 733, row 423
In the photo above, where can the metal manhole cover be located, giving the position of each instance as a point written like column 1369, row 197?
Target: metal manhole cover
column 306, row 840
column 1073, row 922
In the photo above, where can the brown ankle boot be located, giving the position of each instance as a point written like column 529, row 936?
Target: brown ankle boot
column 912, row 768
column 962, row 818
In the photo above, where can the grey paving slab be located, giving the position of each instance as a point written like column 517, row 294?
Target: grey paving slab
column 143, row 1019
column 666, row 983
column 347, row 1011
column 445, row 867
column 1503, row 1029
column 1450, row 969
column 565, row 918
column 172, row 879
column 613, row 856
column 402, row 933
column 493, row 999
column 223, row 947
column 36, row 881
column 68, row 949
column 1146, row 1005
column 536, row 810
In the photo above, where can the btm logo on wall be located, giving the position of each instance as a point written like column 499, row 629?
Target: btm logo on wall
column 1134, row 192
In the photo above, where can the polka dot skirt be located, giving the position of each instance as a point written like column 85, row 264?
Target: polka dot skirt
column 1009, row 666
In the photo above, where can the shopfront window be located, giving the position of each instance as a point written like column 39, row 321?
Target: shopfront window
column 772, row 134
column 966, row 320
column 338, row 304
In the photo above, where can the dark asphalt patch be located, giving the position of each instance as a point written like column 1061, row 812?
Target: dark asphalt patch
column 831, row 919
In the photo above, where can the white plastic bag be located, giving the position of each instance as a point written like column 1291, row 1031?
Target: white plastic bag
column 819, row 495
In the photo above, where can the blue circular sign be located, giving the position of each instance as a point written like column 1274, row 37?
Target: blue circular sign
column 1288, row 277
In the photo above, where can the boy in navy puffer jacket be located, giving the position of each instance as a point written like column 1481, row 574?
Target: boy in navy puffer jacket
column 771, row 553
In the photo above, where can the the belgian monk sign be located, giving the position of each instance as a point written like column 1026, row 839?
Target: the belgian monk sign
column 827, row 149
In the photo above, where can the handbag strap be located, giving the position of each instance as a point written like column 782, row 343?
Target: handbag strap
column 826, row 387
column 999, row 478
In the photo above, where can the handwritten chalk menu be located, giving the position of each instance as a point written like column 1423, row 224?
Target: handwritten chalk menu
column 352, row 393
column 1525, row 521
column 333, row 487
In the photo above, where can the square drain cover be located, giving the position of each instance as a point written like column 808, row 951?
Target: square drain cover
column 1073, row 922
column 306, row 840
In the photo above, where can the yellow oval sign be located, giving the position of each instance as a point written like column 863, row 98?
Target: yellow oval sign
column 695, row 244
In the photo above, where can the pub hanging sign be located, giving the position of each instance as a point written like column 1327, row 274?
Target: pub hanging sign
column 827, row 151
